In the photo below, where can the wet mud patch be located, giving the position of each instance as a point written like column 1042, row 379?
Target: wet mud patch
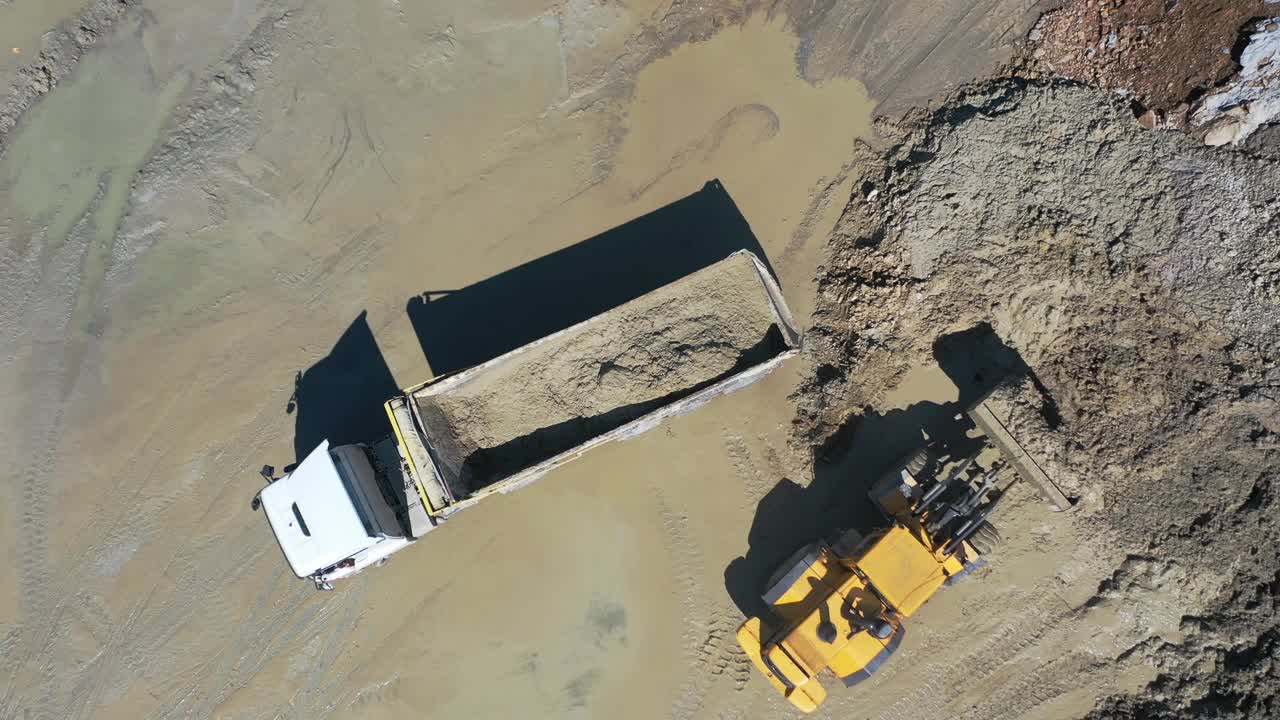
column 34, row 70
column 608, row 623
column 578, row 690
column 606, row 628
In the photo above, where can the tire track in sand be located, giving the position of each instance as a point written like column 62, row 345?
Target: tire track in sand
column 710, row 652
column 45, row 323
column 948, row 677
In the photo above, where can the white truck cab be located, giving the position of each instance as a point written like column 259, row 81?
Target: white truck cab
column 332, row 516
column 345, row 508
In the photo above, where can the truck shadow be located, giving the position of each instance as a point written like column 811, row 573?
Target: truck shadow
column 461, row 328
column 848, row 463
column 340, row 397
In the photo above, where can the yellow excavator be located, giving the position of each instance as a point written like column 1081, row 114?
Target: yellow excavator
column 839, row 605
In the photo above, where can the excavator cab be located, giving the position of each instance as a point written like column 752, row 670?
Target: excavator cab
column 831, row 615
column 828, row 617
column 839, row 606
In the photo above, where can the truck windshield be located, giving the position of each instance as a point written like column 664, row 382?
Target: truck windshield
column 355, row 492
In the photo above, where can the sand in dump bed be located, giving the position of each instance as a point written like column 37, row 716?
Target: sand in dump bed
column 631, row 360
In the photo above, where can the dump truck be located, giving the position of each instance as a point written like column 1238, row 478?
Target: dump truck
column 462, row 437
column 838, row 605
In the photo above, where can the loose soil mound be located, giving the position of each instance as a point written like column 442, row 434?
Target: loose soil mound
column 1165, row 54
column 1138, row 276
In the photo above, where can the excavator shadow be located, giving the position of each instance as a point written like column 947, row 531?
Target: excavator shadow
column 859, row 453
column 458, row 329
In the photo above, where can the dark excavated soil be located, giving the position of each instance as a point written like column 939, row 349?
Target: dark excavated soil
column 1137, row 275
column 1165, row 53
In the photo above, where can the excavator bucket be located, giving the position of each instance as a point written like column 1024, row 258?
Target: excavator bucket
column 988, row 420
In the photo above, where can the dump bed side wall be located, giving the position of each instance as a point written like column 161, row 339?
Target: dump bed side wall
column 790, row 343
column 414, row 454
column 636, row 427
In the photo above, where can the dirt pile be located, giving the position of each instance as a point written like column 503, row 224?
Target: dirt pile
column 599, row 376
column 1164, row 56
column 1138, row 275
column 1232, row 112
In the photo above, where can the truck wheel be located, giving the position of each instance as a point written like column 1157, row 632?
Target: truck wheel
column 990, row 530
column 985, row 539
column 918, row 462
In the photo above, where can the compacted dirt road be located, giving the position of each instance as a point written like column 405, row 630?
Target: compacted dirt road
column 229, row 230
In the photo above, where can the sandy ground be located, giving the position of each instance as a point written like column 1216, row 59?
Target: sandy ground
column 201, row 200
column 309, row 164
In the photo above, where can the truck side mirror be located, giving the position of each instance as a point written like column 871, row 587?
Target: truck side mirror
column 268, row 472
